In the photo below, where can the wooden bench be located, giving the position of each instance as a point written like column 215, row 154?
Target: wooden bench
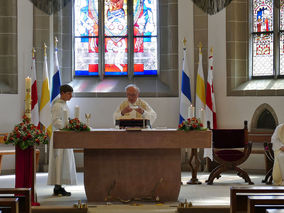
column 274, row 210
column 265, row 139
column 239, row 195
column 23, row 195
column 265, row 201
column 12, row 151
column 10, row 204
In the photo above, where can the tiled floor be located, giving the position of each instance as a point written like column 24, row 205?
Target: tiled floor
column 216, row 194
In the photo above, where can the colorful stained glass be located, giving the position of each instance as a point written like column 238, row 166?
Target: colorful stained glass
column 281, row 53
column 262, row 15
column 145, row 37
column 115, row 37
column 145, row 17
column 115, row 17
column 263, row 55
column 145, row 62
column 116, row 56
column 281, row 14
column 86, row 37
column 86, row 59
column 86, row 17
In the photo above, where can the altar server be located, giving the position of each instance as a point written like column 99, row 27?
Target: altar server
column 62, row 168
column 277, row 141
column 134, row 107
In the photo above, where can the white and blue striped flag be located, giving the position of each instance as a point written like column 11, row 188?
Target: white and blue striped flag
column 185, row 95
column 56, row 81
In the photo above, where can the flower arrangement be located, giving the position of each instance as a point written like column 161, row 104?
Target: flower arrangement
column 76, row 125
column 191, row 124
column 26, row 135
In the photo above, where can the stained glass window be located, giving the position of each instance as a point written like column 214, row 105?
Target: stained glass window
column 281, row 14
column 263, row 16
column 263, row 55
column 262, row 38
column 145, row 37
column 111, row 47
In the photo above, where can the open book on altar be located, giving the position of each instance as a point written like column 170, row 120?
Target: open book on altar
column 124, row 123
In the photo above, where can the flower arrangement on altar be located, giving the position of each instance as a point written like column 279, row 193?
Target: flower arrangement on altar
column 191, row 124
column 26, row 135
column 76, row 125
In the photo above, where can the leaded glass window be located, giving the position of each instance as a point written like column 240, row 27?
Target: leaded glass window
column 267, row 42
column 117, row 44
column 262, row 38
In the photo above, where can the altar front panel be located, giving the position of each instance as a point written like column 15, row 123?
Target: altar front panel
column 137, row 174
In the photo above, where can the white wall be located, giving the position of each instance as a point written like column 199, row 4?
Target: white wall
column 12, row 106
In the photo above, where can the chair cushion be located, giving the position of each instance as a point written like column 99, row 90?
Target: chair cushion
column 230, row 155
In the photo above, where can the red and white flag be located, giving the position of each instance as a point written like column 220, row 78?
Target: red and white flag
column 210, row 98
column 34, row 108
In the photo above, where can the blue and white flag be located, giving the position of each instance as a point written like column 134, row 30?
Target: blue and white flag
column 56, row 81
column 185, row 95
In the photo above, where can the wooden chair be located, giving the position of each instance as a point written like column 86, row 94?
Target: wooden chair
column 269, row 153
column 230, row 149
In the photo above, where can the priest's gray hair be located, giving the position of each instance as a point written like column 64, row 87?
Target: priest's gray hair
column 132, row 85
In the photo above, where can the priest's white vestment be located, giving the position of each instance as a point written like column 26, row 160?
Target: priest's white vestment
column 149, row 113
column 277, row 141
column 62, row 168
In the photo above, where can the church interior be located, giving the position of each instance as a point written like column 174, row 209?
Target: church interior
column 243, row 37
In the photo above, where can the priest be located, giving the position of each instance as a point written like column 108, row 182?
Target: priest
column 277, row 141
column 134, row 107
column 62, row 169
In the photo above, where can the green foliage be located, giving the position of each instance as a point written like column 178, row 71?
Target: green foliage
column 191, row 124
column 76, row 125
column 26, row 135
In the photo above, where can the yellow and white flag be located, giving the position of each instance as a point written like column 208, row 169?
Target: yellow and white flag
column 45, row 108
column 200, row 86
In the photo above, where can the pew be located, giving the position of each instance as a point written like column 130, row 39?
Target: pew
column 265, row 201
column 239, row 195
column 22, row 194
column 9, row 205
column 274, row 210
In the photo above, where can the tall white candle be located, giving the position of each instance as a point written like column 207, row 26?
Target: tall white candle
column 28, row 100
column 191, row 111
column 77, row 112
column 65, row 118
column 202, row 116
